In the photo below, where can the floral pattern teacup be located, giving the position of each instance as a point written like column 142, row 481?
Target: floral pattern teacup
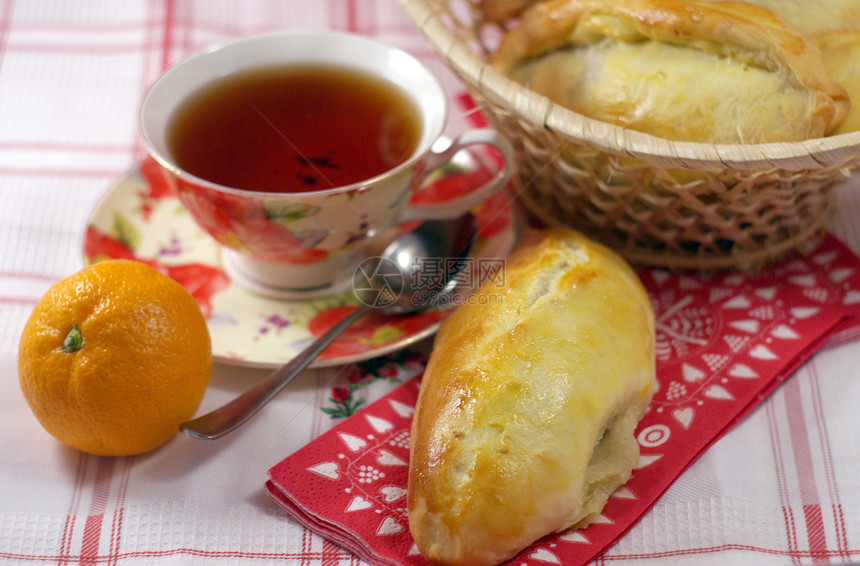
column 290, row 244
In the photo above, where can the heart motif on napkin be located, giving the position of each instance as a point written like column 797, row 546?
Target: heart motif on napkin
column 326, row 469
column 392, row 493
column 358, row 503
column 684, row 416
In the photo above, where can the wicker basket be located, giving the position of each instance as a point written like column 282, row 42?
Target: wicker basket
column 676, row 205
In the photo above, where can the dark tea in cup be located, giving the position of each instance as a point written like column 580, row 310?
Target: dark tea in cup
column 297, row 149
column 294, row 128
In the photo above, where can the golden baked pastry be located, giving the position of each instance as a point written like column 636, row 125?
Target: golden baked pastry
column 501, row 10
column 841, row 52
column 811, row 17
column 524, row 422
column 694, row 70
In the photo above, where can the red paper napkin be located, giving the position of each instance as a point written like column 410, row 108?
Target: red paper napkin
column 723, row 343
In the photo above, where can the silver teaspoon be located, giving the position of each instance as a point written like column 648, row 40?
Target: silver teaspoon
column 413, row 273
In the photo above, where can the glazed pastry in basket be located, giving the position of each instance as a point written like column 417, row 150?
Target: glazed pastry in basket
column 811, row 17
column 501, row 10
column 525, row 419
column 841, row 52
column 808, row 16
column 716, row 72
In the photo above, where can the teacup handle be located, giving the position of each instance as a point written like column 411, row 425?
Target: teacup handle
column 462, row 204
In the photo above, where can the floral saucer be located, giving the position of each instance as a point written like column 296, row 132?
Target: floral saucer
column 139, row 218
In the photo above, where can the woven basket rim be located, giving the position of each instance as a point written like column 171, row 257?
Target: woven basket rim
column 542, row 113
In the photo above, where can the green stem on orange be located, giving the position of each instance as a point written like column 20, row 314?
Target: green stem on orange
column 74, row 340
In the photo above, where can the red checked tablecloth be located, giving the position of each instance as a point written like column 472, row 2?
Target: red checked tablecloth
column 781, row 487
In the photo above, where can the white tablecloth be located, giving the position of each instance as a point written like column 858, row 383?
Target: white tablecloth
column 781, row 488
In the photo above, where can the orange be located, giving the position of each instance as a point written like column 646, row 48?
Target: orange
column 114, row 358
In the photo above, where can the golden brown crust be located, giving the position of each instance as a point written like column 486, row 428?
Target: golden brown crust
column 748, row 34
column 523, row 383
column 841, row 52
column 812, row 17
column 809, row 17
column 501, row 10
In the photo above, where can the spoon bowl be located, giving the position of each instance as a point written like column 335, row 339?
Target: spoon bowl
column 416, row 269
column 413, row 273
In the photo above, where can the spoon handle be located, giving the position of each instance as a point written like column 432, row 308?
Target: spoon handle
column 228, row 417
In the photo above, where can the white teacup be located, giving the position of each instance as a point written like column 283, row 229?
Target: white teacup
column 298, row 244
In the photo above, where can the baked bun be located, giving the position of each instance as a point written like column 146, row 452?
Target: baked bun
column 694, row 70
column 501, row 10
column 812, row 17
column 841, row 52
column 525, row 420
